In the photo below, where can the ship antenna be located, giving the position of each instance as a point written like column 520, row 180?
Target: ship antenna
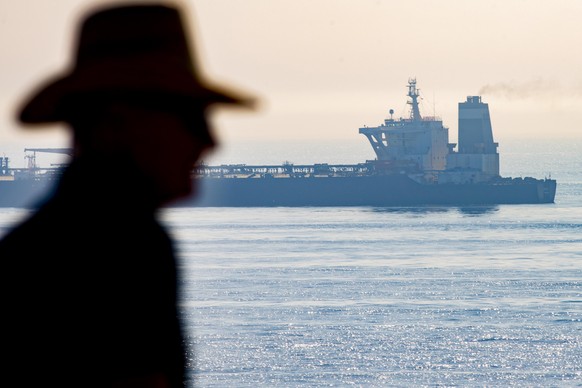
column 413, row 93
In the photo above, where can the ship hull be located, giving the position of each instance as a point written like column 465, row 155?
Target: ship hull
column 387, row 190
column 378, row 191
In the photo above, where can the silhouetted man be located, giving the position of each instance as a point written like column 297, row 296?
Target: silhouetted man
column 90, row 277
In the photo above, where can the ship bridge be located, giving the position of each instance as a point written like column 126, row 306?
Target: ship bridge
column 417, row 140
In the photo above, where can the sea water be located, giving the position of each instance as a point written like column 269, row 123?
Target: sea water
column 397, row 297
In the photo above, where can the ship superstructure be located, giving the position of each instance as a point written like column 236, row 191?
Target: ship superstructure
column 420, row 145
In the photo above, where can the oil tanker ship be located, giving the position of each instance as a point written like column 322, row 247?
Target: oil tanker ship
column 415, row 165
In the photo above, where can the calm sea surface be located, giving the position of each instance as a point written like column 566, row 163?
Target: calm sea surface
column 398, row 297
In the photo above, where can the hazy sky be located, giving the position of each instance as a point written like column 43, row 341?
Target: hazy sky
column 323, row 68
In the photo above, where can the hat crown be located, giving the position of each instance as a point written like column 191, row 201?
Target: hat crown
column 133, row 33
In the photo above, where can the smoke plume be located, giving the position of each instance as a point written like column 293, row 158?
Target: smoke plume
column 538, row 89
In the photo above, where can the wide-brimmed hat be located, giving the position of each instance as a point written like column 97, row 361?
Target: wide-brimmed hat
column 135, row 48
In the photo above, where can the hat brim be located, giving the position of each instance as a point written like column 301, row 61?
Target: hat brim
column 47, row 104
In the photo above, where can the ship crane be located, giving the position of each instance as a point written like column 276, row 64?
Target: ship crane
column 32, row 158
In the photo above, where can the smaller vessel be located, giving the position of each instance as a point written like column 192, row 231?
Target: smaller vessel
column 24, row 187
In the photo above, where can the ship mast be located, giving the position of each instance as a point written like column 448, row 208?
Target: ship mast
column 413, row 93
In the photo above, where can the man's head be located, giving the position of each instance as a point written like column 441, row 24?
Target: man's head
column 134, row 85
column 159, row 137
